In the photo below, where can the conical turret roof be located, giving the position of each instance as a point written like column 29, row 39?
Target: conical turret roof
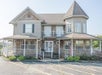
column 75, row 11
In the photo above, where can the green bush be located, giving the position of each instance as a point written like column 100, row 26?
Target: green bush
column 34, row 58
column 73, row 58
column 70, row 58
column 84, row 57
column 94, row 58
column 76, row 58
column 12, row 58
column 21, row 58
column 30, row 58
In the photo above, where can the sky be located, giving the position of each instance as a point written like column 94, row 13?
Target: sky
column 9, row 9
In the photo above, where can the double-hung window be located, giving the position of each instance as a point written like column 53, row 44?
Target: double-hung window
column 84, row 28
column 78, row 27
column 47, row 31
column 59, row 31
column 68, row 27
column 28, row 28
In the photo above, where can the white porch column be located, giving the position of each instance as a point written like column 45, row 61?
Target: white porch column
column 14, row 47
column 71, row 47
column 91, row 47
column 59, row 49
column 37, row 49
column 24, row 47
column 100, row 45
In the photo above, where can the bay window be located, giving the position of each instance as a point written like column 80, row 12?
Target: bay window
column 78, row 27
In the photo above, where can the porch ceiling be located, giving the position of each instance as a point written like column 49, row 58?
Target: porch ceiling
column 79, row 36
column 20, row 37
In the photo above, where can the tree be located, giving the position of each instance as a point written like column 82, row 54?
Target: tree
column 96, row 43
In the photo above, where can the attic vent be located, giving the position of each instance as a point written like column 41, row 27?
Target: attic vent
column 29, row 16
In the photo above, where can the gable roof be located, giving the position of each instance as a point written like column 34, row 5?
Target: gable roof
column 23, row 13
column 75, row 11
column 53, row 18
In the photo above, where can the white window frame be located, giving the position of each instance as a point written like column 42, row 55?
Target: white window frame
column 47, row 31
column 46, row 48
column 84, row 28
column 59, row 31
column 28, row 29
column 78, row 27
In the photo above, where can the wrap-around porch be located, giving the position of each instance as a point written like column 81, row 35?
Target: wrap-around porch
column 21, row 45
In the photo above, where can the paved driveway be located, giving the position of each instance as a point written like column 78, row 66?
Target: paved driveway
column 38, row 68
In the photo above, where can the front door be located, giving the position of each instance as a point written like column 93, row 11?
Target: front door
column 48, row 46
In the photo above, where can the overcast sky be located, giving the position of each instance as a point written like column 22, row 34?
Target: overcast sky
column 11, row 8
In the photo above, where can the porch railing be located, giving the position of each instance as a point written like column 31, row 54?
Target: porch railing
column 53, row 34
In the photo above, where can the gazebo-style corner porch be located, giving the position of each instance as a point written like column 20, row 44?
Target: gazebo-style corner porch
column 78, row 44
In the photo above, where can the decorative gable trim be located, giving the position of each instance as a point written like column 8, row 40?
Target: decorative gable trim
column 18, row 17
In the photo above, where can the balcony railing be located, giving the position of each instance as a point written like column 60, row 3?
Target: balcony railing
column 53, row 34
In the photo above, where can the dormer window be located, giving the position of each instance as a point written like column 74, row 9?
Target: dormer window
column 28, row 28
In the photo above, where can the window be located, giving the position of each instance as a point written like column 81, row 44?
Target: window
column 78, row 27
column 59, row 31
column 67, row 44
column 84, row 28
column 79, row 44
column 47, row 31
column 48, row 45
column 68, row 28
column 28, row 28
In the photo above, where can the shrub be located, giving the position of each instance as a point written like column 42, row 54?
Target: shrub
column 84, row 57
column 70, row 58
column 30, row 58
column 94, row 58
column 73, row 58
column 21, row 58
column 76, row 58
column 34, row 58
column 12, row 58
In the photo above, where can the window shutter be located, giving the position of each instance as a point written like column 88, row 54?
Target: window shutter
column 23, row 28
column 32, row 28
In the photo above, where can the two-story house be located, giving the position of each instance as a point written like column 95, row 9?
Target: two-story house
column 51, row 35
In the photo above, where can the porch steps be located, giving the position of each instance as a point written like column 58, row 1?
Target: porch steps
column 47, row 60
column 48, row 55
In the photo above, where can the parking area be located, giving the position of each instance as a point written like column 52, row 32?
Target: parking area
column 47, row 68
column 65, row 68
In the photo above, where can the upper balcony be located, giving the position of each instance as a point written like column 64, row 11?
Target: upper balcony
column 52, row 34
